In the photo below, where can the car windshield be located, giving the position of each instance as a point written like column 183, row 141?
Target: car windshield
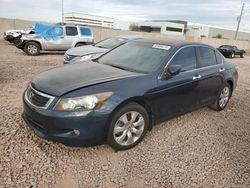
column 110, row 43
column 136, row 57
column 225, row 46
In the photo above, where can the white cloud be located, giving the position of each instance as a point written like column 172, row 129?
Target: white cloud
column 217, row 12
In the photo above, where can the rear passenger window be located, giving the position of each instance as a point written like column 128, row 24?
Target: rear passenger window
column 186, row 58
column 207, row 57
column 71, row 31
column 218, row 57
column 85, row 31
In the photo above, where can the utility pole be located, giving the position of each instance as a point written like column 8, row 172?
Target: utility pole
column 239, row 20
column 62, row 13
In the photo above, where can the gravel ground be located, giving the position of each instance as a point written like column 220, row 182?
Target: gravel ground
column 200, row 149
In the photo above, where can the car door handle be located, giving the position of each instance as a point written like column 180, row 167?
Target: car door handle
column 196, row 77
column 221, row 69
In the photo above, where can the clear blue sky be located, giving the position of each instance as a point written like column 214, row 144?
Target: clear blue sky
column 221, row 13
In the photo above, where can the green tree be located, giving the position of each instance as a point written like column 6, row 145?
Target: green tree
column 218, row 36
column 134, row 27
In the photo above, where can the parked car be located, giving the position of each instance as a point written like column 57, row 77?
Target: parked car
column 231, row 51
column 122, row 94
column 12, row 35
column 57, row 37
column 84, row 53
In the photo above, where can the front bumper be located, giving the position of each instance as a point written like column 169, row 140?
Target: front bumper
column 9, row 38
column 59, row 126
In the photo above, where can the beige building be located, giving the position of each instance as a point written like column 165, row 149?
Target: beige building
column 89, row 20
column 202, row 30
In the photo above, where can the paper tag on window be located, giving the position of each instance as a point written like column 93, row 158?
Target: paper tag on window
column 159, row 46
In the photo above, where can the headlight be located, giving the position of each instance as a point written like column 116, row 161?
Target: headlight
column 88, row 102
column 87, row 57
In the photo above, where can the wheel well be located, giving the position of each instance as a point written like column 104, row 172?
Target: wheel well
column 139, row 101
column 80, row 43
column 35, row 42
column 230, row 82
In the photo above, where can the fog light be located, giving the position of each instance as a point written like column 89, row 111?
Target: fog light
column 76, row 132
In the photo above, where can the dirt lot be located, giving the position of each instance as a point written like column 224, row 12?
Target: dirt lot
column 200, row 149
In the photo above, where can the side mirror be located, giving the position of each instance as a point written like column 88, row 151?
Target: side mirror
column 174, row 69
column 171, row 71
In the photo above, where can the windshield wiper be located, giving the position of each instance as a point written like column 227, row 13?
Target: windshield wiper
column 117, row 67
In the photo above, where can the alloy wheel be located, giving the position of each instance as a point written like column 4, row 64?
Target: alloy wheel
column 128, row 128
column 32, row 49
column 224, row 97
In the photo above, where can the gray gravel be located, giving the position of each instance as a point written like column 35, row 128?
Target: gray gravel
column 200, row 149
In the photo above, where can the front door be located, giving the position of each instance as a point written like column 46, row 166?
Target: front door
column 179, row 93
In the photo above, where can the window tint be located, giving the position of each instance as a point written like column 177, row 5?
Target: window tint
column 110, row 42
column 174, row 29
column 186, row 58
column 218, row 57
column 85, row 31
column 71, row 31
column 135, row 57
column 207, row 57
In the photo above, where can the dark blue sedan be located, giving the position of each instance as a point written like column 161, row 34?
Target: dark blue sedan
column 118, row 97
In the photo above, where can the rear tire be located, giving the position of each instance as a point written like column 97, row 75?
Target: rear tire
column 222, row 98
column 80, row 44
column 128, row 127
column 232, row 55
column 242, row 55
column 32, row 48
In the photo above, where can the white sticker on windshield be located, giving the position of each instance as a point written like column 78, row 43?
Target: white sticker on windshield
column 121, row 40
column 159, row 46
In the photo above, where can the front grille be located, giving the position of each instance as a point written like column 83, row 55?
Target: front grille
column 37, row 98
column 68, row 57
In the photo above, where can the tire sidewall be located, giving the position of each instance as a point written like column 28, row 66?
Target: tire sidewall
column 129, row 107
column 27, row 51
column 218, row 97
column 232, row 55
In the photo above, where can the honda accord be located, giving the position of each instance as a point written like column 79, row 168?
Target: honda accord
column 118, row 97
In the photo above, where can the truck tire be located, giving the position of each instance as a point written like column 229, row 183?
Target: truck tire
column 242, row 55
column 32, row 48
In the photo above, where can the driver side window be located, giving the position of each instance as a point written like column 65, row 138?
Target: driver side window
column 186, row 57
column 56, row 31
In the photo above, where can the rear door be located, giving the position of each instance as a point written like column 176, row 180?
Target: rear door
column 211, row 72
column 71, row 35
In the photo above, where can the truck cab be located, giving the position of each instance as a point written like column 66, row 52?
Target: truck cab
column 55, row 38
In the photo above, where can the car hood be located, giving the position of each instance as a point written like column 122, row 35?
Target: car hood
column 63, row 79
column 85, row 50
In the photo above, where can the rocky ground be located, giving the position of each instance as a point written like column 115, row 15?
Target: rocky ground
column 200, row 149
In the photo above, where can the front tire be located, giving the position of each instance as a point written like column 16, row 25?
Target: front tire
column 232, row 55
column 128, row 127
column 222, row 98
column 32, row 48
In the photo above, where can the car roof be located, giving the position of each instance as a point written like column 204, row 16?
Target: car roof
column 129, row 37
column 169, row 42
